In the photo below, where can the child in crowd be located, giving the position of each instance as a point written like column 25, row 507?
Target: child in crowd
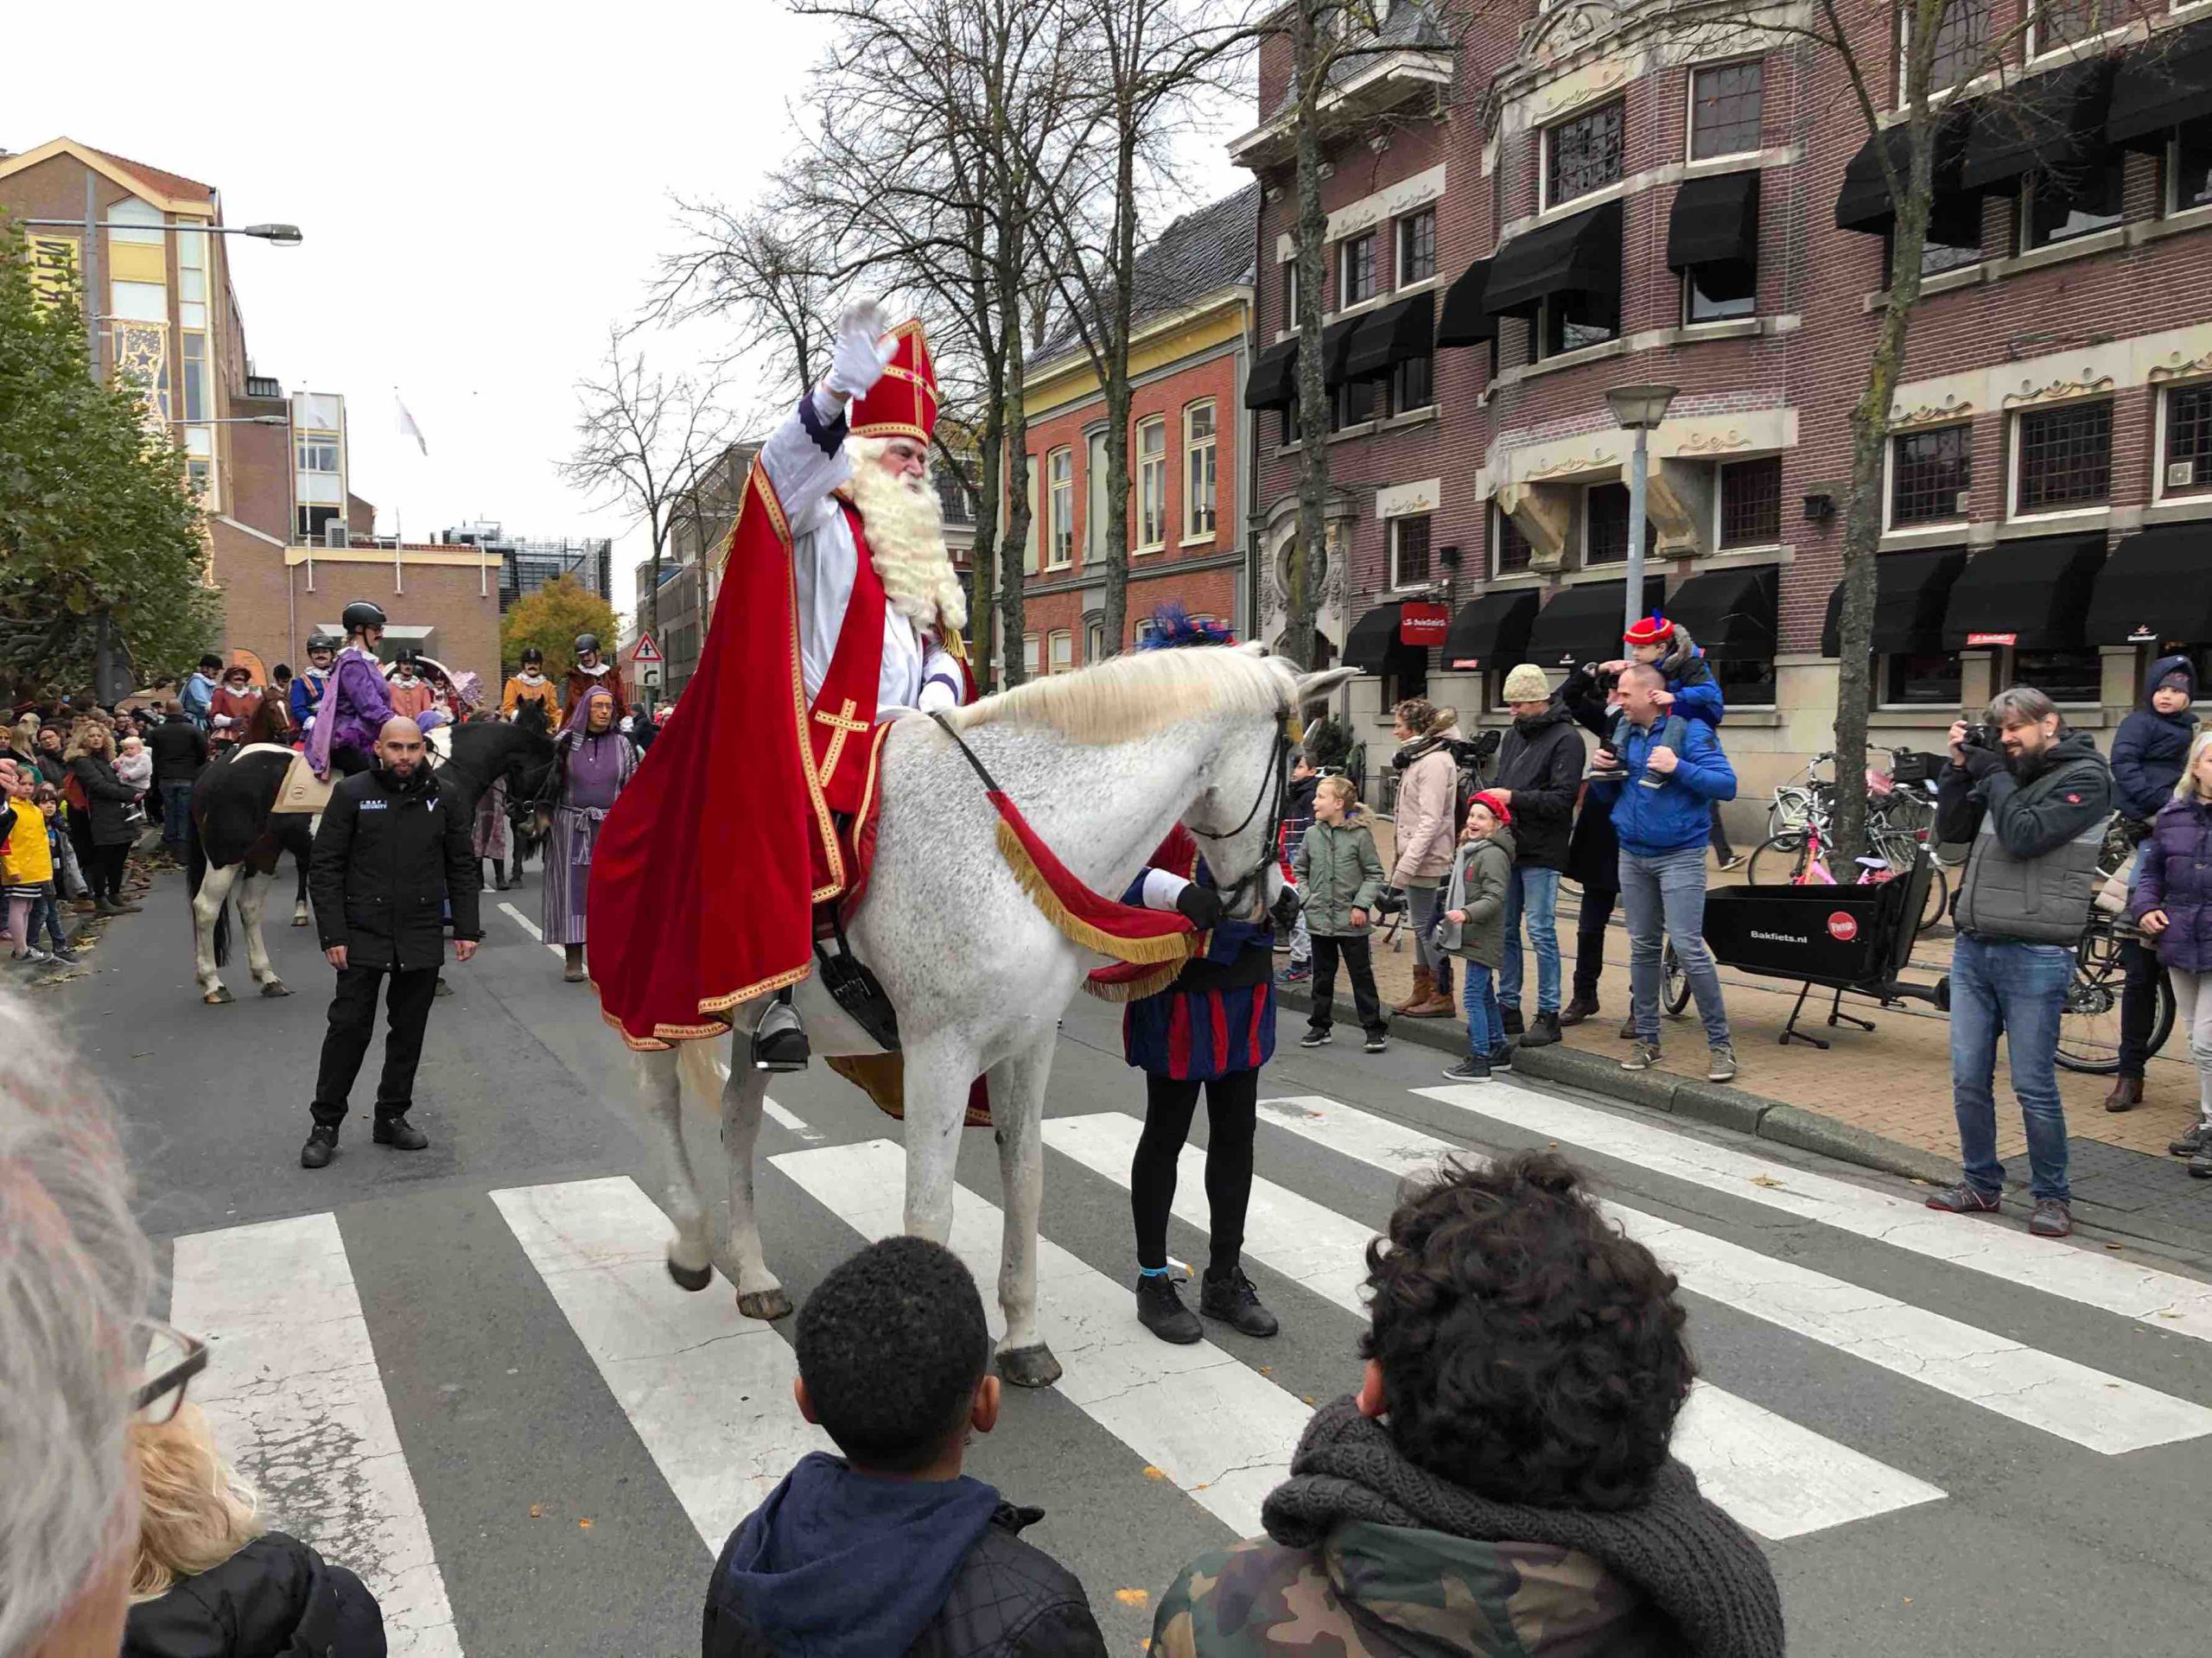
column 889, row 1548
column 136, row 767
column 1472, row 928
column 2173, row 904
column 26, row 862
column 1693, row 693
column 45, row 910
column 1340, row 876
column 1297, row 818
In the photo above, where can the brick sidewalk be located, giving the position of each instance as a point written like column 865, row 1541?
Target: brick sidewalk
column 1893, row 1081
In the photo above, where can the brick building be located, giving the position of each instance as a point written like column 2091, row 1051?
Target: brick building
column 1188, row 454
column 1528, row 209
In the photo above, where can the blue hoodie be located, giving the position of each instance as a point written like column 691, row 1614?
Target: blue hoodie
column 1677, row 814
column 837, row 1564
column 2150, row 748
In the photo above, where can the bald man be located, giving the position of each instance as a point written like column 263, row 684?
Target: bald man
column 389, row 855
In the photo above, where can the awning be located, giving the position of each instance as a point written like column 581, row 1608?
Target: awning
column 1863, row 202
column 1728, row 613
column 1336, row 343
column 1382, row 339
column 1582, row 255
column 2049, row 120
column 1912, row 591
column 2033, row 595
column 1374, row 646
column 1493, row 632
column 1274, row 379
column 1464, row 323
column 1583, row 624
column 2157, row 586
column 2160, row 87
column 1714, row 221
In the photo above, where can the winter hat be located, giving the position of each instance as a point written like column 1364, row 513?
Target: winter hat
column 1498, row 808
column 2176, row 681
column 1527, row 683
column 1652, row 630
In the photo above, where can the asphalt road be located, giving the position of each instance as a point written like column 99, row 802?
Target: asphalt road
column 461, row 1370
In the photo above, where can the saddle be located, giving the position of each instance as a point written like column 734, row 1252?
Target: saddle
column 301, row 791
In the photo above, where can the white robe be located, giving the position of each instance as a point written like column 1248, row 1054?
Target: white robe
column 919, row 672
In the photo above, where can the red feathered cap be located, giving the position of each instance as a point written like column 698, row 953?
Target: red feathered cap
column 1652, row 630
column 903, row 404
column 1498, row 808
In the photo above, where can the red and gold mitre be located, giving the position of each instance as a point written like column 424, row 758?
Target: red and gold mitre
column 903, row 404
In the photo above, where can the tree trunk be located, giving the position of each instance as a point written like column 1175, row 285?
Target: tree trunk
column 1308, row 550
column 1015, row 453
column 983, row 560
column 1117, row 389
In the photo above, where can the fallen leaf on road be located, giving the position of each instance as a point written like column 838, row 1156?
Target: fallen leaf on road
column 1764, row 1180
column 538, row 1511
column 1150, row 1472
column 584, row 1524
column 1134, row 1596
column 2112, row 1246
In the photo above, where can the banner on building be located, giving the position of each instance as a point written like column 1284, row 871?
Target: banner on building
column 54, row 268
column 1423, row 625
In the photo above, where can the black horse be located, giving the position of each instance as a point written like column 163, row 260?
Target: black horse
column 236, row 839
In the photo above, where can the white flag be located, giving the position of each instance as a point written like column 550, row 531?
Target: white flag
column 407, row 425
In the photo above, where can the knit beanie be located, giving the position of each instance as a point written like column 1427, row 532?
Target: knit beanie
column 1527, row 683
column 1498, row 808
column 1652, row 630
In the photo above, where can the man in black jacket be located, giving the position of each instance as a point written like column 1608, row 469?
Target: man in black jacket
column 179, row 750
column 388, row 857
column 1538, row 771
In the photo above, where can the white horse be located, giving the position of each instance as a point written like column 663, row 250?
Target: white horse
column 1103, row 764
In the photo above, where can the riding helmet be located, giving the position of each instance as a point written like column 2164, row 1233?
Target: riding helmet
column 361, row 613
column 587, row 642
column 322, row 642
column 533, row 654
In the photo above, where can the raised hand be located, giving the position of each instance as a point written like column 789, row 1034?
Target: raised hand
column 857, row 361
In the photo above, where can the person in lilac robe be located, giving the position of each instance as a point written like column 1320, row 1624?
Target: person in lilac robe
column 593, row 763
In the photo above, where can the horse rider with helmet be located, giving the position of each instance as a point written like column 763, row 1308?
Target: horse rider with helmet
column 592, row 669
column 357, row 702
column 530, row 684
column 310, row 688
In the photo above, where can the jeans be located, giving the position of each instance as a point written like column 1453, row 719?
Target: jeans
column 1353, row 949
column 2192, row 1013
column 1663, row 894
column 1536, row 893
column 1589, row 940
column 2019, row 989
column 1422, row 905
column 46, row 914
column 1485, row 1028
column 177, row 811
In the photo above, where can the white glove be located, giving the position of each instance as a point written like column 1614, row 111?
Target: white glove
column 222, row 721
column 936, row 697
column 858, row 359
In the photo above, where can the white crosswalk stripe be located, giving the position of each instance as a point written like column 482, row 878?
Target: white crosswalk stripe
column 2071, row 1400
column 293, row 1394
column 1223, row 1433
column 1779, row 1479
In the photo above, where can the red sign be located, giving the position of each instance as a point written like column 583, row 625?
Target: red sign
column 1992, row 639
column 1423, row 624
column 1466, row 661
column 1843, row 927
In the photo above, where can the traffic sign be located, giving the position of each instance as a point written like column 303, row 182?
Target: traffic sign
column 645, row 649
column 649, row 676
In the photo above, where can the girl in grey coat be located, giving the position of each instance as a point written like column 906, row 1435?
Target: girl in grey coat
column 1472, row 927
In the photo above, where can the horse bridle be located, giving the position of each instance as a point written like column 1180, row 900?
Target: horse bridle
column 1270, row 795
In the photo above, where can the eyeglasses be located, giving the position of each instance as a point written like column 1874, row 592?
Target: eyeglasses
column 172, row 1358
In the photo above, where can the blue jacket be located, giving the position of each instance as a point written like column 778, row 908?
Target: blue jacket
column 308, row 690
column 199, row 691
column 1217, row 1017
column 1691, row 678
column 1674, row 816
column 2150, row 748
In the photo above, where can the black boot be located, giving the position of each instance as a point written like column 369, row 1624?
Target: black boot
column 572, row 970
column 321, row 1147
column 1543, row 1034
column 1230, row 1297
column 399, row 1134
column 1512, row 1016
column 1161, row 1310
column 780, row 1041
column 1581, row 1007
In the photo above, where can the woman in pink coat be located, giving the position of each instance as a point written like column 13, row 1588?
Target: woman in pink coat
column 1428, row 786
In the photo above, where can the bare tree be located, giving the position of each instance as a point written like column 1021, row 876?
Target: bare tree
column 643, row 439
column 762, row 271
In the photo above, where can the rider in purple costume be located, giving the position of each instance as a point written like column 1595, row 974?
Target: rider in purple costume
column 355, row 705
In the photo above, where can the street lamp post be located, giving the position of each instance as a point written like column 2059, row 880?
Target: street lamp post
column 1638, row 407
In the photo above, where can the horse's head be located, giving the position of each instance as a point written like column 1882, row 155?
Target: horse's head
column 529, row 772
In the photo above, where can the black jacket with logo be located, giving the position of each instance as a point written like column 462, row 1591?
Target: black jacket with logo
column 387, row 858
column 1541, row 761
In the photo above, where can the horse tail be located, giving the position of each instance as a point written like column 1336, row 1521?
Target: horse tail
column 196, row 872
column 694, row 1063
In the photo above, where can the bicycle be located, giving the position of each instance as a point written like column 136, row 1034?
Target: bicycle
column 1795, row 857
column 2088, row 1025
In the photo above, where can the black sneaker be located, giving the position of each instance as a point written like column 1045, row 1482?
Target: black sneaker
column 1161, row 1310
column 1230, row 1297
column 1543, row 1032
column 1376, row 1042
column 1470, row 1070
column 321, row 1147
column 1501, row 1056
column 1963, row 1199
column 398, row 1133
column 1314, row 1038
column 1512, row 1020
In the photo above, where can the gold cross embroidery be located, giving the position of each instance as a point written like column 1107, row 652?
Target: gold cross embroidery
column 845, row 725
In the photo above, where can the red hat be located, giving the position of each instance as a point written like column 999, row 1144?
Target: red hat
column 1498, row 808
column 1652, row 630
column 903, row 404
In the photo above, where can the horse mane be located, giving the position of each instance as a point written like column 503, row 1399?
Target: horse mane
column 1133, row 696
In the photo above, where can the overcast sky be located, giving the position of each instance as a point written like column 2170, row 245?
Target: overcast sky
column 482, row 189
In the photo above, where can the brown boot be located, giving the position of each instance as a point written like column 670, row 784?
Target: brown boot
column 2126, row 1094
column 1438, row 1004
column 1424, row 993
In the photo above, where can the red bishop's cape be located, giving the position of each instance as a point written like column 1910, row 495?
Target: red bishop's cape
column 701, row 895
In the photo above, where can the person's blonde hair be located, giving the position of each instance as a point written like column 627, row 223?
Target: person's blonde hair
column 2186, row 786
column 1337, row 787
column 24, row 738
column 89, row 736
column 193, row 1511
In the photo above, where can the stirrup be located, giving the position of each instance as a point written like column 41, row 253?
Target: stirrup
column 856, row 991
column 780, row 1041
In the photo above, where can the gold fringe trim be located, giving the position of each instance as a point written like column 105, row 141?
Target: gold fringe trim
column 1136, row 989
column 1145, row 952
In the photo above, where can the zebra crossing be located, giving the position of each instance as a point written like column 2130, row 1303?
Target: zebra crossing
column 298, row 1398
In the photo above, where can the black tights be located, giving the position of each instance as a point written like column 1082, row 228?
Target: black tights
column 106, row 872
column 1232, row 1113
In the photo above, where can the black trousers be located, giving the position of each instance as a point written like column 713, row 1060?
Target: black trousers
column 1232, row 1115
column 1359, row 964
column 353, row 1020
column 1590, row 941
column 104, row 874
column 2139, row 1006
column 347, row 761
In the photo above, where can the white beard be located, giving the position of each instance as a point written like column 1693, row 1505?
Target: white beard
column 906, row 540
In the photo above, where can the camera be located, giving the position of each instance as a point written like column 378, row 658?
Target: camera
column 1982, row 734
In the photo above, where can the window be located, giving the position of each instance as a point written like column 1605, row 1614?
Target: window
column 1029, row 656
column 1094, row 496
column 1939, row 254
column 2189, row 166
column 192, row 266
column 1417, row 246
column 1930, row 475
column 2086, row 201
column 1094, row 643
column 311, row 520
column 197, row 403
column 200, row 474
column 1699, row 305
column 1924, row 679
column 1029, row 545
column 1511, row 552
column 1152, row 483
column 1289, row 294
column 1412, row 385
column 1060, row 507
column 317, row 451
column 1412, row 680
column 1751, row 502
column 2062, row 23
column 2062, row 676
column 2188, row 440
column 1567, row 322
column 1582, row 154
column 1962, row 42
column 2064, row 457
column 1355, row 269
column 1745, row 682
column 1061, row 650
column 1291, row 431
column 1352, row 403
column 1409, row 552
column 1725, row 106
column 1604, row 525
column 140, row 301
column 1200, row 456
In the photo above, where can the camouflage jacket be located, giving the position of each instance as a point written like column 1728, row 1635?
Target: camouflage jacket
column 1372, row 1590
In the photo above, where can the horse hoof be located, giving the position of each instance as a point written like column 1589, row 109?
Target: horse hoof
column 1029, row 1367
column 766, row 1304
column 275, row 987
column 691, row 1278
column 219, row 996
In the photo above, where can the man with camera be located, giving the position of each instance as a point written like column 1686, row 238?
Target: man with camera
column 2031, row 798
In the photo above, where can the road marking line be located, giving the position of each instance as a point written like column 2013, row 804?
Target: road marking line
column 1217, row 1428
column 530, row 927
column 784, row 1114
column 708, row 1389
column 2166, row 1301
column 2025, row 1384
column 1775, row 1477
column 296, row 1401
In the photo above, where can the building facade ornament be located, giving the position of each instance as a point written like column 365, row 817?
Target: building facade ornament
column 2086, row 383
column 1945, row 412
